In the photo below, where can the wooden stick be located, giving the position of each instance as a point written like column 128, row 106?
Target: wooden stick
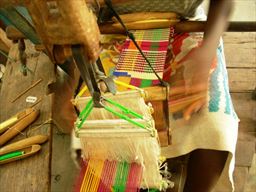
column 159, row 93
column 26, row 90
column 155, row 93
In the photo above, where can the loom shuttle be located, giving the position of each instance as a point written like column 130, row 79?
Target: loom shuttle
column 29, row 116
column 26, row 152
column 38, row 139
column 11, row 121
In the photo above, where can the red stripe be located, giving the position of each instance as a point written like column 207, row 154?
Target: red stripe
column 80, row 178
column 135, row 82
column 177, row 42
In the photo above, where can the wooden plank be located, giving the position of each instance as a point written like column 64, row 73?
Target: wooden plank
column 250, row 183
column 244, row 105
column 240, row 177
column 248, row 126
column 159, row 115
column 163, row 138
column 63, row 170
column 244, row 153
column 63, row 88
column 31, row 173
column 247, row 136
column 242, row 80
column 246, row 110
column 240, row 49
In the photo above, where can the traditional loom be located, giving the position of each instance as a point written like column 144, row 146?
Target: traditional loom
column 120, row 166
column 122, row 136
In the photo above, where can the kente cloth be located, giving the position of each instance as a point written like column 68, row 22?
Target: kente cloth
column 215, row 126
column 108, row 176
column 154, row 44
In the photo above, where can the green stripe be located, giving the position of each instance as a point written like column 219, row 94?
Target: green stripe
column 146, row 83
column 11, row 155
column 121, row 177
column 154, row 46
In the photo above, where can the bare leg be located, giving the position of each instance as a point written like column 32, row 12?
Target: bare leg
column 204, row 170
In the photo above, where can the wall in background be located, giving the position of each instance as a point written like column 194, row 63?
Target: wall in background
column 244, row 10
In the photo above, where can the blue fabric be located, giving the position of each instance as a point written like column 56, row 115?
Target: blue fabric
column 215, row 89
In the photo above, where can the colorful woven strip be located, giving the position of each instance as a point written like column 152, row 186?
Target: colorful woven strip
column 154, row 44
column 109, row 176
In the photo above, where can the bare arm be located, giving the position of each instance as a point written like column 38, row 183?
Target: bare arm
column 198, row 64
column 217, row 22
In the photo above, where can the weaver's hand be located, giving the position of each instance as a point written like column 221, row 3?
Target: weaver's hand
column 196, row 75
column 201, row 58
column 193, row 93
column 197, row 65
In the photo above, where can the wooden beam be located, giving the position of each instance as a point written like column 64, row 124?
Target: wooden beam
column 240, row 49
column 180, row 26
column 198, row 26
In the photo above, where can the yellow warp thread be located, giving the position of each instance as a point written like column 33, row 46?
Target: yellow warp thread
column 99, row 165
column 92, row 176
column 126, row 85
column 85, row 178
column 82, row 91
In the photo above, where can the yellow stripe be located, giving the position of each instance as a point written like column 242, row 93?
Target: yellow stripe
column 98, row 174
column 85, row 176
column 82, row 91
column 126, row 85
